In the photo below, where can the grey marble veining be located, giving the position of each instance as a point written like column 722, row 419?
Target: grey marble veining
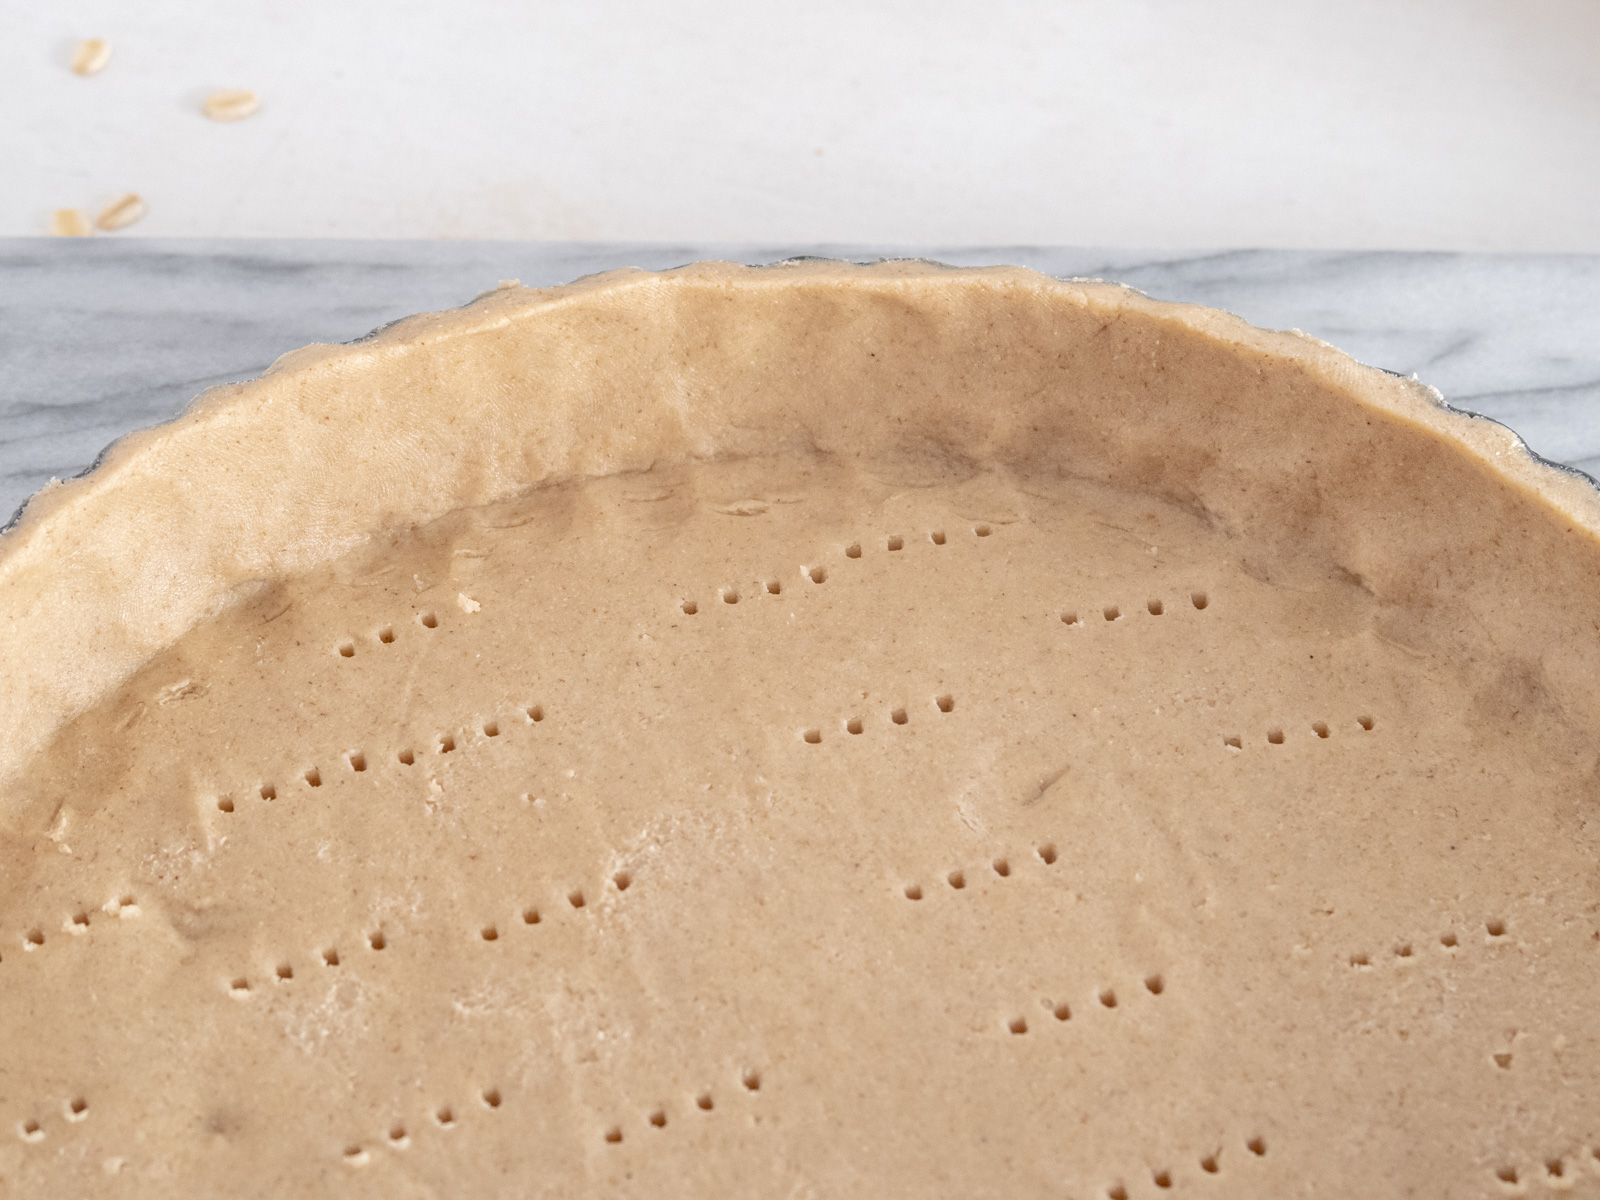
column 101, row 337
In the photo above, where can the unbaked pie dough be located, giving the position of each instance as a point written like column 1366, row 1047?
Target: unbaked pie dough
column 812, row 731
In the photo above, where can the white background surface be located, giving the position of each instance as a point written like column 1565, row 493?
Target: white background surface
column 1340, row 123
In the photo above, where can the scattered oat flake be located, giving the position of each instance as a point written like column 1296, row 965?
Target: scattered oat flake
column 468, row 604
column 90, row 56
column 234, row 104
column 70, row 222
column 119, row 214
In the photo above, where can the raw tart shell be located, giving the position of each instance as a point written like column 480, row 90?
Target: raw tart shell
column 880, row 728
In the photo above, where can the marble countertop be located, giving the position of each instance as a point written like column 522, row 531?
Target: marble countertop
column 99, row 338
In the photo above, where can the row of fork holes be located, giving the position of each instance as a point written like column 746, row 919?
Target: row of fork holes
column 284, row 972
column 1062, row 1011
column 1113, row 612
column 356, row 760
column 772, row 587
column 1555, row 1170
column 895, row 542
column 1211, row 1164
column 1494, row 928
column 957, row 879
column 1275, row 737
column 819, row 574
column 445, row 1117
column 75, row 1109
column 704, row 1102
column 123, row 905
column 622, row 881
column 855, row 725
column 384, row 636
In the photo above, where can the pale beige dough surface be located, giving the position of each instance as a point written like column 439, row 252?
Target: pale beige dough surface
column 1179, row 782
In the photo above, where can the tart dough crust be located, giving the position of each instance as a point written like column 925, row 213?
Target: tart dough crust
column 807, row 730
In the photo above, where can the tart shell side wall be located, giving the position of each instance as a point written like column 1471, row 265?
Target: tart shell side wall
column 1315, row 464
